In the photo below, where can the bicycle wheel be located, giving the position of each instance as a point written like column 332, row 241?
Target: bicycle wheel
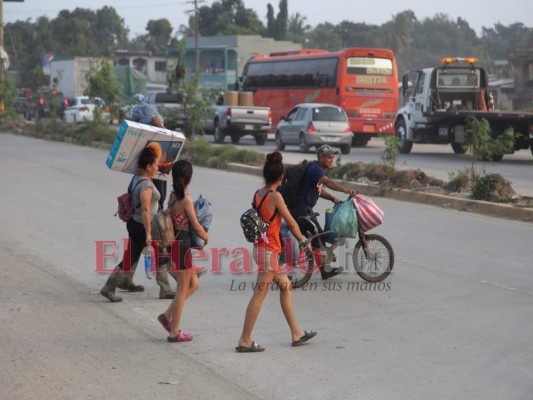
column 376, row 263
column 303, row 271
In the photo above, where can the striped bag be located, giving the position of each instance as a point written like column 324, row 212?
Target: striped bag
column 368, row 213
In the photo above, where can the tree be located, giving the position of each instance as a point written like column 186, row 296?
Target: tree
column 101, row 82
column 158, row 38
column 297, row 28
column 325, row 36
column 282, row 21
column 401, row 29
column 271, row 21
column 227, row 17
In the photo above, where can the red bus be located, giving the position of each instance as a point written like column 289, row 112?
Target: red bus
column 362, row 81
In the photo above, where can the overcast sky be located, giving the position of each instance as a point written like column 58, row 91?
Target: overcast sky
column 136, row 13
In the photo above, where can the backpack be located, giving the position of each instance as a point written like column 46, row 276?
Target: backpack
column 204, row 212
column 125, row 203
column 253, row 225
column 292, row 180
column 163, row 228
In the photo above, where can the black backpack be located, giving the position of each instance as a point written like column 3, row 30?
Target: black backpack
column 253, row 225
column 292, row 180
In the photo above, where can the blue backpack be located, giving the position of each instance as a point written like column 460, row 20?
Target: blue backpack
column 204, row 212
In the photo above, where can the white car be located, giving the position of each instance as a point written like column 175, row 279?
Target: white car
column 82, row 108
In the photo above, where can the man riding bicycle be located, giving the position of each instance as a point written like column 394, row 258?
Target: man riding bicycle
column 311, row 188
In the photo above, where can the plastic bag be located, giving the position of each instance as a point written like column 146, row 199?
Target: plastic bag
column 344, row 219
column 369, row 214
column 331, row 236
column 204, row 212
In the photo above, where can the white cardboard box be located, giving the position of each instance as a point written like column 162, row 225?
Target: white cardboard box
column 133, row 137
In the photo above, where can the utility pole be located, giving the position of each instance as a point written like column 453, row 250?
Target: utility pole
column 196, row 48
column 196, row 37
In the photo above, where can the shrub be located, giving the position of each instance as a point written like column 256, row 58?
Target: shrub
column 493, row 187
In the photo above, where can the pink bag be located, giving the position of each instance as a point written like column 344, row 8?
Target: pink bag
column 368, row 213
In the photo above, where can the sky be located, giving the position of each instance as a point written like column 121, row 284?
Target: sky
column 136, row 13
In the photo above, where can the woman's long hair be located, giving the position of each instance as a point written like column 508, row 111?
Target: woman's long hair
column 181, row 177
column 273, row 168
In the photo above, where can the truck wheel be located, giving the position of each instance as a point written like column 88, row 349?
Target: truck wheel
column 281, row 146
column 219, row 134
column 458, row 148
column 304, row 146
column 345, row 149
column 405, row 145
column 235, row 137
column 360, row 140
column 260, row 138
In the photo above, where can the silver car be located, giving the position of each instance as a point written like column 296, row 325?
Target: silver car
column 315, row 124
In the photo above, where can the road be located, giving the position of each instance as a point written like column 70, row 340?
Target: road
column 435, row 160
column 453, row 321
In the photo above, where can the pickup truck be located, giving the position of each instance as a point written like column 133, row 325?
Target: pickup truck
column 239, row 121
column 442, row 99
column 43, row 105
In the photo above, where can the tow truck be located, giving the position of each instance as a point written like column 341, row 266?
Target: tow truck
column 442, row 99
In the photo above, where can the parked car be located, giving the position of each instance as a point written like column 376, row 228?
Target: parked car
column 315, row 124
column 82, row 108
column 42, row 104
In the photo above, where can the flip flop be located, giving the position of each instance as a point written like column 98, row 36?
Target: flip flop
column 307, row 336
column 254, row 348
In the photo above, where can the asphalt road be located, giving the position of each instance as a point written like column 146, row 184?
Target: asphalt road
column 435, row 160
column 452, row 322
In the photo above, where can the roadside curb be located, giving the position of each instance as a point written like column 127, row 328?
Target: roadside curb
column 438, row 200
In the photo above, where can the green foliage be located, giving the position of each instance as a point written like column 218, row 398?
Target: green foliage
column 459, row 182
column 391, row 152
column 417, row 43
column 8, row 92
column 56, row 129
column 101, row 82
column 194, row 102
column 201, row 153
column 487, row 185
column 297, row 28
column 481, row 144
column 227, row 17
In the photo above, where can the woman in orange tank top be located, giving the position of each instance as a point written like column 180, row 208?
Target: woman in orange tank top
column 266, row 255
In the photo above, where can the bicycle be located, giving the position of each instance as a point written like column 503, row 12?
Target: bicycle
column 373, row 255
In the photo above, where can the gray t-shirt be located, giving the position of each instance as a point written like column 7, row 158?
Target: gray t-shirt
column 136, row 197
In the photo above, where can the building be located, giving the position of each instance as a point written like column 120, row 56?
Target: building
column 152, row 66
column 69, row 76
column 222, row 58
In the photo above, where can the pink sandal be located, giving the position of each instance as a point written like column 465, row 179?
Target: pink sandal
column 180, row 337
